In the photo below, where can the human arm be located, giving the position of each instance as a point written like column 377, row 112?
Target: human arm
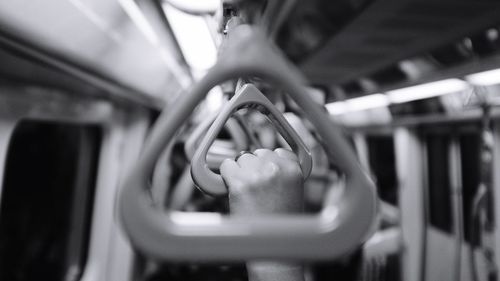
column 266, row 182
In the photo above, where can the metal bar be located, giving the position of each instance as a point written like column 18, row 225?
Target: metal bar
column 412, row 197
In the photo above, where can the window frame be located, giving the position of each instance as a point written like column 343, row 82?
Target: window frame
column 123, row 128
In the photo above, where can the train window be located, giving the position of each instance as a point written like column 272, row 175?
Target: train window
column 47, row 200
column 382, row 164
column 470, row 153
column 439, row 186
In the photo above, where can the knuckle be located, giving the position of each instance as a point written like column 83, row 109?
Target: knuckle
column 295, row 169
column 227, row 166
column 271, row 170
column 260, row 150
column 244, row 157
column 291, row 168
column 265, row 174
column 227, row 162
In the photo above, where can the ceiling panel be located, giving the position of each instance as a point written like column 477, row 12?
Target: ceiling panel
column 98, row 35
column 389, row 31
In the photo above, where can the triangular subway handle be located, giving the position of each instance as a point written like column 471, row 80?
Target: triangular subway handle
column 247, row 96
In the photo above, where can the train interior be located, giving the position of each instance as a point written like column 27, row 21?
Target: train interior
column 117, row 114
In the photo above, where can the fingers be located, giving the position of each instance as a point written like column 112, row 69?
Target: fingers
column 287, row 154
column 240, row 169
column 264, row 153
column 278, row 154
column 260, row 170
column 229, row 167
column 236, row 174
column 248, row 160
column 230, row 170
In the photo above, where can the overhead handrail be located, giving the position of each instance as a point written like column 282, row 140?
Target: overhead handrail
column 247, row 96
column 335, row 231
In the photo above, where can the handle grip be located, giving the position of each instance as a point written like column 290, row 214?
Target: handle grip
column 335, row 231
column 246, row 97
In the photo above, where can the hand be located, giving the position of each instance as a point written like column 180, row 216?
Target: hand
column 264, row 182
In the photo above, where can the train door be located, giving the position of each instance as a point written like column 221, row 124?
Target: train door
column 439, row 170
column 382, row 253
column 409, row 168
column 441, row 230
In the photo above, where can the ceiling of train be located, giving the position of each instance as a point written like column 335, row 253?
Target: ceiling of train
column 347, row 47
column 99, row 42
column 361, row 46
